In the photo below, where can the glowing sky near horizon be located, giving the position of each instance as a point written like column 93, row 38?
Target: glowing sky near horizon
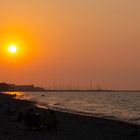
column 71, row 42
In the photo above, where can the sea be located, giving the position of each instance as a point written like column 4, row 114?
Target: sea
column 123, row 106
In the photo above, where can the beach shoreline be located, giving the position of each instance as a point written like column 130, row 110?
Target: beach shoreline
column 72, row 126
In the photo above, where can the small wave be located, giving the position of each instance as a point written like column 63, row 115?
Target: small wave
column 42, row 105
column 56, row 104
column 135, row 119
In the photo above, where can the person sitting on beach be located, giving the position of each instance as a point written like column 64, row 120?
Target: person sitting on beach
column 32, row 119
column 14, row 95
column 50, row 121
column 27, row 116
column 9, row 108
column 20, row 117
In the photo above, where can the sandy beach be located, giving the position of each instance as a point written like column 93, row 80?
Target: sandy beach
column 71, row 126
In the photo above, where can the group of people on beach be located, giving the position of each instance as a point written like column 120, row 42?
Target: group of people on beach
column 34, row 120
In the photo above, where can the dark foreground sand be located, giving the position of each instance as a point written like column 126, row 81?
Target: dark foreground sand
column 72, row 127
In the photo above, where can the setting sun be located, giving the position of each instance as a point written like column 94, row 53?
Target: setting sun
column 12, row 48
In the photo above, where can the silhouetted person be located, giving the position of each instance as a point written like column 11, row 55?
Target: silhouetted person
column 52, row 123
column 20, row 117
column 32, row 119
column 15, row 95
column 9, row 108
column 27, row 117
column 35, row 122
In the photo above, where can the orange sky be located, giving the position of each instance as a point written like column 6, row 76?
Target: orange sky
column 71, row 42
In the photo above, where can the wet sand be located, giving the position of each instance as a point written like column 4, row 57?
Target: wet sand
column 71, row 126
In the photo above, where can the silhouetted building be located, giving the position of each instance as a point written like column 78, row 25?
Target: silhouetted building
column 4, row 87
column 13, row 87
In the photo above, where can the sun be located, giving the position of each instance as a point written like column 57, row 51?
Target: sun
column 12, row 48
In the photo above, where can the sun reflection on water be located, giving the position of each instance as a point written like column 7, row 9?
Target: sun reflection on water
column 17, row 95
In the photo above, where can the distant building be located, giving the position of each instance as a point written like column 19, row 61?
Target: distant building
column 28, row 88
column 13, row 87
column 4, row 87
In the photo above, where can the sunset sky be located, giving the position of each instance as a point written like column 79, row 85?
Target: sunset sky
column 71, row 42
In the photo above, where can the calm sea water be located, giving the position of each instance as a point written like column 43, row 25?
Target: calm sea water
column 115, row 105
